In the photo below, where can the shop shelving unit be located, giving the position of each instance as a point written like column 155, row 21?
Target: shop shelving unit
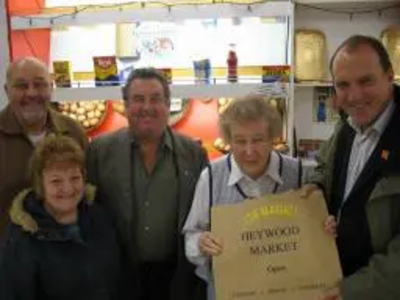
column 276, row 8
column 271, row 8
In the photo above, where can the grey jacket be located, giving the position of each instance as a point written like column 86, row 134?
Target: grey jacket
column 109, row 167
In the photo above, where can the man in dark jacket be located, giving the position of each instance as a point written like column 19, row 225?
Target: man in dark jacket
column 146, row 175
column 359, row 170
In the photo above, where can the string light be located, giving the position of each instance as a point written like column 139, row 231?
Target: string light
column 352, row 11
column 122, row 6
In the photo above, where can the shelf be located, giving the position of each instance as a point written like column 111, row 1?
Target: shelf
column 313, row 84
column 182, row 12
column 352, row 5
column 222, row 90
column 346, row 2
column 178, row 91
column 321, row 84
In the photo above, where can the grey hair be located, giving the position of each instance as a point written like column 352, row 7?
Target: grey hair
column 250, row 108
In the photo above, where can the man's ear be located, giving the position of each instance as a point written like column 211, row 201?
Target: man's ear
column 391, row 75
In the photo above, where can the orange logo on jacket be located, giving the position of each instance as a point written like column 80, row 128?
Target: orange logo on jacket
column 385, row 155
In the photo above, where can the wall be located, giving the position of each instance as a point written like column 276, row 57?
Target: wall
column 65, row 44
column 336, row 28
column 55, row 3
column 4, row 53
column 25, row 7
column 190, row 40
column 35, row 42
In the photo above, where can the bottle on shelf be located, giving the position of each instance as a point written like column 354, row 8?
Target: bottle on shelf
column 232, row 62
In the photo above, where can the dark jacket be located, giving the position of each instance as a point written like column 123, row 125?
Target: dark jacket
column 43, row 260
column 109, row 167
column 369, row 227
column 16, row 150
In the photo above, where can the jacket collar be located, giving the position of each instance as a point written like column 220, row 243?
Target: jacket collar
column 387, row 159
column 396, row 94
column 166, row 140
column 9, row 123
column 21, row 217
column 272, row 171
column 122, row 147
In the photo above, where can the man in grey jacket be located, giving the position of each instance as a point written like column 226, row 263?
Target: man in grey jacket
column 146, row 175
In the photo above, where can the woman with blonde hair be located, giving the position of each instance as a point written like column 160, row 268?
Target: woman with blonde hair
column 60, row 244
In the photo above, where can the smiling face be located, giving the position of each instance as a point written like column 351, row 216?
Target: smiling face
column 147, row 108
column 29, row 91
column 363, row 87
column 251, row 146
column 63, row 188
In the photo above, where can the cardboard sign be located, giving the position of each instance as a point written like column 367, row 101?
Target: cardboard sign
column 275, row 248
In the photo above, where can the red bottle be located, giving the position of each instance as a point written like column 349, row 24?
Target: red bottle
column 232, row 62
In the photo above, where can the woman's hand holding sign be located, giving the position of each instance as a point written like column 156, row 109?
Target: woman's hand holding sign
column 210, row 244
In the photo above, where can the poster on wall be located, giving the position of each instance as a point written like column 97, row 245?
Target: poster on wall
column 179, row 44
column 156, row 43
column 323, row 111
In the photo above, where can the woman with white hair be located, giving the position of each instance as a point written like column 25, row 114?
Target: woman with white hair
column 252, row 169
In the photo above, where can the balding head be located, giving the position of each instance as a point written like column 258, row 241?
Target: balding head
column 354, row 43
column 29, row 90
column 23, row 62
